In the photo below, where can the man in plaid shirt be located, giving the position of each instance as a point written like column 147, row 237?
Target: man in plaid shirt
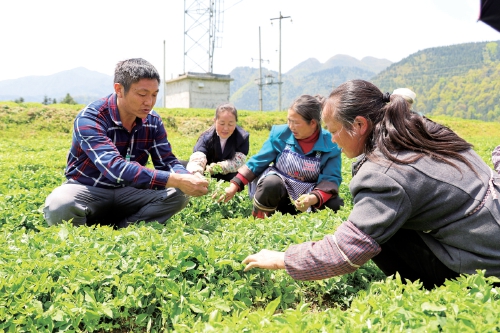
column 107, row 178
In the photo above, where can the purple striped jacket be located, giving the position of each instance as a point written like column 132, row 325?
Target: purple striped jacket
column 104, row 154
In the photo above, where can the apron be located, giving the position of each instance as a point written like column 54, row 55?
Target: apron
column 299, row 173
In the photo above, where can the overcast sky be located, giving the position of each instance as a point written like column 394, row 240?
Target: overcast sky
column 45, row 37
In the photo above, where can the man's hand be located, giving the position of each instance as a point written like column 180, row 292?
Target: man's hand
column 265, row 259
column 193, row 185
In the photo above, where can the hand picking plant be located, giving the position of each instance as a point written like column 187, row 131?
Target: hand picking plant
column 217, row 188
column 299, row 199
column 215, row 168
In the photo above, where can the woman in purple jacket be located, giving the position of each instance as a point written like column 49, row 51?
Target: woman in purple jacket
column 425, row 204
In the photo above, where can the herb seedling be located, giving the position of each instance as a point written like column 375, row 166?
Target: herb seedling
column 216, row 168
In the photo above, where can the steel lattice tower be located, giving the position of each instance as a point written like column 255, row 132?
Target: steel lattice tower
column 203, row 22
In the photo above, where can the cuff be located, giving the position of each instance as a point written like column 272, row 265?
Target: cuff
column 237, row 181
column 322, row 197
column 337, row 254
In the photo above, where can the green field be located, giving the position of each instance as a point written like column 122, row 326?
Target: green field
column 187, row 276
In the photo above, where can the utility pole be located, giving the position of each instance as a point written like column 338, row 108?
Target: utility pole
column 184, row 55
column 259, row 80
column 279, row 66
column 260, row 76
column 164, row 79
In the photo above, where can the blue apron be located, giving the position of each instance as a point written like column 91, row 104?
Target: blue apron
column 299, row 173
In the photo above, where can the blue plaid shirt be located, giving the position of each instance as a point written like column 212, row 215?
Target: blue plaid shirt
column 98, row 155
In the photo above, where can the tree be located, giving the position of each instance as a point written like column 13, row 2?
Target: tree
column 46, row 100
column 19, row 100
column 54, row 101
column 68, row 100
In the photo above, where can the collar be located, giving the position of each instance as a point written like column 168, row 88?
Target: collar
column 356, row 165
column 113, row 109
column 320, row 145
column 312, row 138
column 115, row 114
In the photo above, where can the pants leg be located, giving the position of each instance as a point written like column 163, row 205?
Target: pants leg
column 88, row 205
column 268, row 194
column 271, row 195
column 408, row 254
column 78, row 203
column 149, row 205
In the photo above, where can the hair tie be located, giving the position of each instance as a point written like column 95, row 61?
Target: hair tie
column 386, row 98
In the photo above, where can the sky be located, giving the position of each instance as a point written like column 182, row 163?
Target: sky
column 44, row 37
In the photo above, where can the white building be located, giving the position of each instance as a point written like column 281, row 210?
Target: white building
column 197, row 90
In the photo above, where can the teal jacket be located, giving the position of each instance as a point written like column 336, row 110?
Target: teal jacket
column 330, row 177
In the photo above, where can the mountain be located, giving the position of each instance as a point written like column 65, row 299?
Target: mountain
column 309, row 77
column 82, row 84
column 460, row 80
column 312, row 65
column 375, row 64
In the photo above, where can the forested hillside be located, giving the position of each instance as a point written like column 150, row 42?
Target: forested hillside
column 459, row 80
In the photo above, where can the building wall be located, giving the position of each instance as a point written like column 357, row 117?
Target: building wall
column 197, row 92
column 208, row 94
column 177, row 94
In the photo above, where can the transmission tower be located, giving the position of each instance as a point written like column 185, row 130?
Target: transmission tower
column 203, row 22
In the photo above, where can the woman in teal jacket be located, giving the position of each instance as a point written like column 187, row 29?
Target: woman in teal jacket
column 297, row 169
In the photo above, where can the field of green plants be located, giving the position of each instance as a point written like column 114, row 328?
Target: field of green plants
column 187, row 276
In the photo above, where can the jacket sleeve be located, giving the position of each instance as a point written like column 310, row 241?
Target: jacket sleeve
column 381, row 204
column 266, row 155
column 232, row 165
column 198, row 159
column 197, row 162
column 244, row 145
column 161, row 152
column 330, row 177
column 341, row 253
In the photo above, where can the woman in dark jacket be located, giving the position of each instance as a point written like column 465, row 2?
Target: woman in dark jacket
column 222, row 148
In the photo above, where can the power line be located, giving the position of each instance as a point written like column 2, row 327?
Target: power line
column 279, row 72
column 232, row 6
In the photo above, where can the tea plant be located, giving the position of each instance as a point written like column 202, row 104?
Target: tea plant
column 186, row 275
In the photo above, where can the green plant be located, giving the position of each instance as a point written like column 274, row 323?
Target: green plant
column 186, row 275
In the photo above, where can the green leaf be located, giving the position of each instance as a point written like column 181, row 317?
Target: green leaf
column 271, row 307
column 426, row 306
column 187, row 265
column 63, row 233
column 107, row 311
column 195, row 309
column 140, row 319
